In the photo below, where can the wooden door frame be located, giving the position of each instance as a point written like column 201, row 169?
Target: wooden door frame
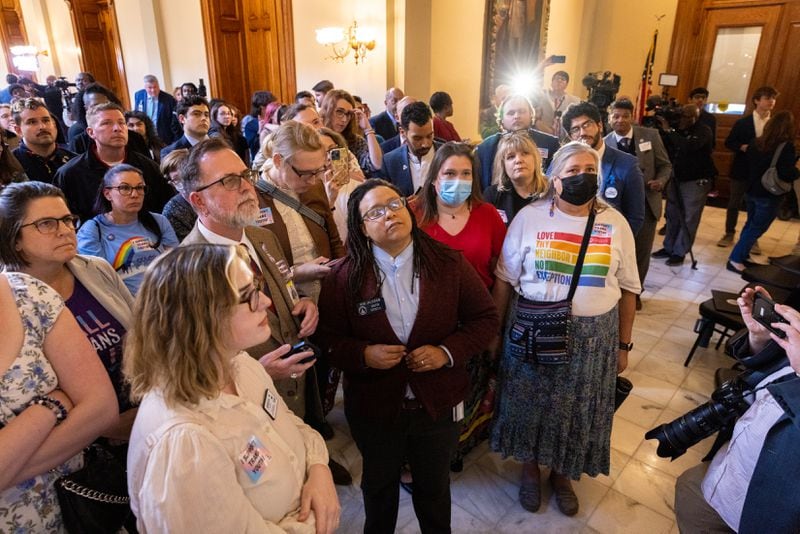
column 6, row 38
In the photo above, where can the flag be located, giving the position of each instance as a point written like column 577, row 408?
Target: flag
column 646, row 85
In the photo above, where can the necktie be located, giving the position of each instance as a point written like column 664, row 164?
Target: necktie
column 259, row 275
column 151, row 105
column 624, row 144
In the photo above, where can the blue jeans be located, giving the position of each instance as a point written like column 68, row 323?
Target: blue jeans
column 761, row 211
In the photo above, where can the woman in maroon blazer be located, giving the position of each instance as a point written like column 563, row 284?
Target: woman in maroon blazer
column 400, row 315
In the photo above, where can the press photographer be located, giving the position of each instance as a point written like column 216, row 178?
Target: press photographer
column 744, row 489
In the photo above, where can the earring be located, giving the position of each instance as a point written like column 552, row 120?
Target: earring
column 553, row 204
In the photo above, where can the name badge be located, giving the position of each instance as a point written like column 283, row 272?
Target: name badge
column 293, row 294
column 368, row 307
column 644, row 146
column 271, row 404
column 544, row 152
column 264, row 217
column 503, row 215
column 611, row 192
column 254, row 459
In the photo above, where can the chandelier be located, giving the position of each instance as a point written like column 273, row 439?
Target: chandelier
column 342, row 41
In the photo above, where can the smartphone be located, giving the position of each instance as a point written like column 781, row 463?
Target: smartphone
column 764, row 312
column 558, row 59
column 339, row 164
column 302, row 346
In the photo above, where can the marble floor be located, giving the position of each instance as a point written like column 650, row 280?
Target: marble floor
column 638, row 494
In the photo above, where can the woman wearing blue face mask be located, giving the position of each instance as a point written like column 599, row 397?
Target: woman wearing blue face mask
column 450, row 209
column 568, row 329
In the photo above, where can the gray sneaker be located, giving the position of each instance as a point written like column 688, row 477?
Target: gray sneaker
column 725, row 241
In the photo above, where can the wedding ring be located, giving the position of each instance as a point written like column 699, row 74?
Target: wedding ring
column 293, row 376
column 423, row 361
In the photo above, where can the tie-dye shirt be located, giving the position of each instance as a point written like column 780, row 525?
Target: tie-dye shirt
column 540, row 252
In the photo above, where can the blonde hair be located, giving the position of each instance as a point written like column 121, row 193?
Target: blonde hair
column 293, row 137
column 517, row 142
column 180, row 318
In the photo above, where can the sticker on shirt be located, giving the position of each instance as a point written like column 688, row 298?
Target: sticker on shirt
column 544, row 152
column 503, row 215
column 368, row 307
column 644, row 146
column 264, row 217
column 133, row 256
column 611, row 192
column 254, row 458
column 271, row 404
column 556, row 254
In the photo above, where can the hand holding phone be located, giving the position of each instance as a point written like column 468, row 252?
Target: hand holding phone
column 302, row 346
column 764, row 312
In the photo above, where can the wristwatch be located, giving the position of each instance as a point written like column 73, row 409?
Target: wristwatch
column 626, row 346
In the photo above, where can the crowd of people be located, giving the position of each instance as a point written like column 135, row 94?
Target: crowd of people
column 219, row 275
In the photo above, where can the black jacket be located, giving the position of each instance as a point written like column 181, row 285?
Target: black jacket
column 742, row 132
column 690, row 152
column 758, row 162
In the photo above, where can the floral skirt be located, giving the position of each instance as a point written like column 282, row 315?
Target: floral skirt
column 560, row 415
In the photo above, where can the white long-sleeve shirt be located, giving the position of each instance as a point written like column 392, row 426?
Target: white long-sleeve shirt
column 186, row 471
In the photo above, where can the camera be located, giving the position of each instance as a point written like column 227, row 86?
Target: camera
column 727, row 403
column 669, row 108
column 603, row 88
column 63, row 84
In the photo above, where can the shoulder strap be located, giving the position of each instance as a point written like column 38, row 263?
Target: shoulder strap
column 777, row 154
column 576, row 274
column 270, row 189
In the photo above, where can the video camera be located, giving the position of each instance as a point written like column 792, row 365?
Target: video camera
column 63, row 84
column 603, row 88
column 728, row 403
column 669, row 108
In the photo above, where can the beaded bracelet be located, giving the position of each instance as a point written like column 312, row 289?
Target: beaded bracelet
column 54, row 405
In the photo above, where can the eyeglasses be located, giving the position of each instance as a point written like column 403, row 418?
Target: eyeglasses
column 232, row 182
column 584, row 126
column 127, row 190
column 252, row 295
column 373, row 214
column 49, row 225
column 305, row 175
column 342, row 113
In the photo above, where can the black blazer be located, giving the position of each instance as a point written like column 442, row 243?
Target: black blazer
column 166, row 111
column 182, row 142
column 383, row 125
column 743, row 131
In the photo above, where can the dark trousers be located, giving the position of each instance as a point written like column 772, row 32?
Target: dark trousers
column 761, row 211
column 738, row 188
column 428, row 445
column 692, row 512
column 680, row 237
column 644, row 243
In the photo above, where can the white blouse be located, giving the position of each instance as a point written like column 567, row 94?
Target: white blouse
column 191, row 468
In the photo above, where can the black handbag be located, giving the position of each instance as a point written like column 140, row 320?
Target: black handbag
column 540, row 330
column 94, row 499
column 621, row 391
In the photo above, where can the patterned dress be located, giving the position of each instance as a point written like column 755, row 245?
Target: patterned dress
column 32, row 506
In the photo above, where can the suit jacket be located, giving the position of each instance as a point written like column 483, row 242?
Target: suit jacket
column 390, row 144
column 455, row 310
column 742, row 133
column 486, row 151
column 328, row 244
column 396, row 168
column 283, row 325
column 621, row 171
column 182, row 142
column 653, row 162
column 166, row 111
column 383, row 125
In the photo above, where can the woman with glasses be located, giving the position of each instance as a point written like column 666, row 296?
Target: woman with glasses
column 294, row 205
column 518, row 179
column 340, row 114
column 178, row 211
column 222, row 125
column 128, row 236
column 401, row 314
column 555, row 401
column 449, row 208
column 57, row 361
column 214, row 448
column 340, row 183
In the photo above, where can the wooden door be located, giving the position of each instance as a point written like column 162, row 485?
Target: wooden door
column 97, row 35
column 776, row 64
column 249, row 47
column 12, row 31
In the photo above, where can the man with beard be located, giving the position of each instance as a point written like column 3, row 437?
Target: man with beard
column 38, row 152
column 622, row 182
column 221, row 190
column 407, row 166
column 515, row 113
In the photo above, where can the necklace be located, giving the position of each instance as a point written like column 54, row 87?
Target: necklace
column 457, row 212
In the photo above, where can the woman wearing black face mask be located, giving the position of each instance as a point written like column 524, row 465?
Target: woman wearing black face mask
column 557, row 375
